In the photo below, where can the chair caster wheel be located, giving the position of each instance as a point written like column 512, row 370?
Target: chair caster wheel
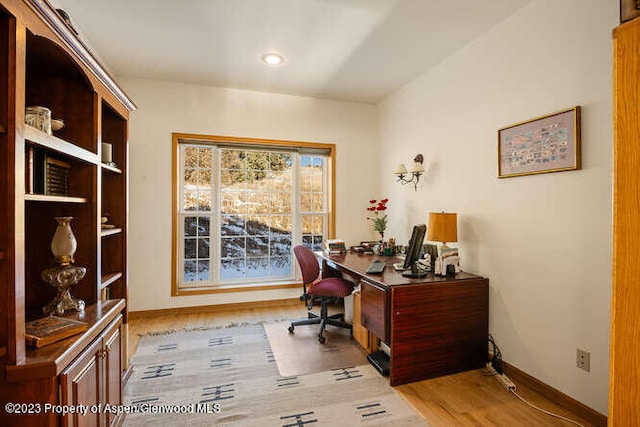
column 321, row 339
column 290, row 329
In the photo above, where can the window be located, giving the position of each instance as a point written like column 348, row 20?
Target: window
column 241, row 206
column 312, row 179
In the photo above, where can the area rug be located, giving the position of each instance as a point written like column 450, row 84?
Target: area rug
column 229, row 377
column 300, row 353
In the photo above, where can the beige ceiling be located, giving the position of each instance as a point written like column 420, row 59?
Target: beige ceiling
column 350, row 50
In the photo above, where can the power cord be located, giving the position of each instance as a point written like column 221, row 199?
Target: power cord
column 496, row 360
column 553, row 414
column 422, row 267
column 494, row 368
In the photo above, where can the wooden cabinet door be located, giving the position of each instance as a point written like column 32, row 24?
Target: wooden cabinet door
column 438, row 329
column 112, row 346
column 80, row 384
column 373, row 305
column 95, row 377
column 624, row 377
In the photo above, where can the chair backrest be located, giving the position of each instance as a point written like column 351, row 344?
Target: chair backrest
column 308, row 263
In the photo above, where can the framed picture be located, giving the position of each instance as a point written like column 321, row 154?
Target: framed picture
column 629, row 9
column 545, row 144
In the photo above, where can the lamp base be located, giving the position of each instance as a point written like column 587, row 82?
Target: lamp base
column 62, row 278
column 442, row 248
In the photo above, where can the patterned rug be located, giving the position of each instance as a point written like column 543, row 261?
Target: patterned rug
column 228, row 377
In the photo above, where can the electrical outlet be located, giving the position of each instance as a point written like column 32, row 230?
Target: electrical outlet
column 583, row 360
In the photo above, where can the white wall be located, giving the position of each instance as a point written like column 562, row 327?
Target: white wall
column 544, row 241
column 165, row 107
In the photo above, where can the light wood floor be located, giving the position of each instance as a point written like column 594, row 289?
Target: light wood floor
column 467, row 399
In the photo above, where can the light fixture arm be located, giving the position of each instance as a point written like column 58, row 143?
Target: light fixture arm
column 413, row 175
column 415, row 178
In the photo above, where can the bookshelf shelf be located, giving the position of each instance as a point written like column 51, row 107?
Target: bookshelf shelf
column 109, row 278
column 110, row 232
column 56, row 199
column 111, row 168
column 54, row 143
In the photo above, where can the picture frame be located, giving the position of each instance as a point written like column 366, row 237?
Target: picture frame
column 629, row 9
column 546, row 144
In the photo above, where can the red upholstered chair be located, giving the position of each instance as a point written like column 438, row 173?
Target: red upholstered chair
column 325, row 290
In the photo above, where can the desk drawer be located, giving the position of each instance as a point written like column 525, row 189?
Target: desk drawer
column 374, row 312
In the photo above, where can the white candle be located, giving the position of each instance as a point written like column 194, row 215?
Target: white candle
column 107, row 153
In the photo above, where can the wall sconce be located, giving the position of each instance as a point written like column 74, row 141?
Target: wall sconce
column 413, row 175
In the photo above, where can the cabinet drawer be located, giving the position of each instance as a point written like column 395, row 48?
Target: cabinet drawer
column 373, row 316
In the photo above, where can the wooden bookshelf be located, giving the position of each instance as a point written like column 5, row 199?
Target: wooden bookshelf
column 43, row 63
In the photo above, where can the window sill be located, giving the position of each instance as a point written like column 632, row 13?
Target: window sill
column 236, row 288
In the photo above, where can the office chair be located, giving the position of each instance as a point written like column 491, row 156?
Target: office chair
column 325, row 290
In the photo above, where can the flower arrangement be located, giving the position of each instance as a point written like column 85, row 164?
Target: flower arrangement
column 378, row 216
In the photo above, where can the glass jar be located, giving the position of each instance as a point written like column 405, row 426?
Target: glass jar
column 39, row 118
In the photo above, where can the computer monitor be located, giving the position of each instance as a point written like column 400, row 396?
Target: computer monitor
column 413, row 252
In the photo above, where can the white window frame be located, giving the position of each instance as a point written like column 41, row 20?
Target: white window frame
column 298, row 149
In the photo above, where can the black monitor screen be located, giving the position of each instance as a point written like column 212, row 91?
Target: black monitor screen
column 415, row 246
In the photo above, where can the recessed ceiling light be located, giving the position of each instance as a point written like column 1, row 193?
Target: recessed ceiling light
column 272, row 59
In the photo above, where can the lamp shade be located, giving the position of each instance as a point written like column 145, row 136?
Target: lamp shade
column 443, row 227
column 417, row 168
column 401, row 170
column 63, row 244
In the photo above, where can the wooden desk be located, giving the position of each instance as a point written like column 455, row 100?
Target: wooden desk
column 434, row 326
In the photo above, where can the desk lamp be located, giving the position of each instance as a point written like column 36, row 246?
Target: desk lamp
column 443, row 227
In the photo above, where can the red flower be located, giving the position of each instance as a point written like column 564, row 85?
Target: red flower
column 379, row 217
